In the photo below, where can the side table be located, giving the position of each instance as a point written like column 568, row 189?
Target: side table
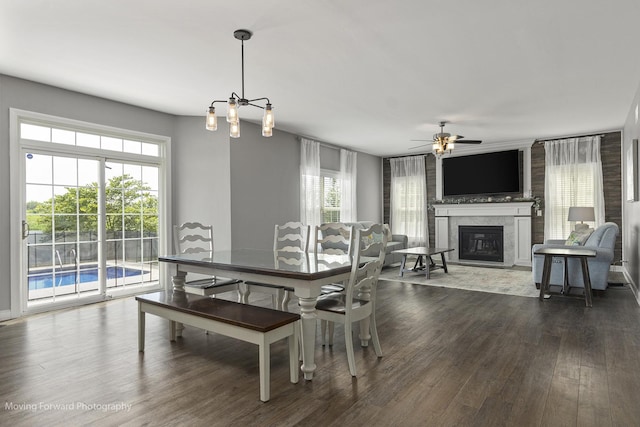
column 581, row 253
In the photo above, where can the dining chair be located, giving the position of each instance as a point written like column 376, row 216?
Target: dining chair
column 333, row 238
column 197, row 238
column 358, row 301
column 288, row 237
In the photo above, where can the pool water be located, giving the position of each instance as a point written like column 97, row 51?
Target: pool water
column 65, row 278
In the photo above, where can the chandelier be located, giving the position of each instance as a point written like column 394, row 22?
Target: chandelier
column 235, row 101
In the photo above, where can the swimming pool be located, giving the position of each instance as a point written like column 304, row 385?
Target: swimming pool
column 45, row 279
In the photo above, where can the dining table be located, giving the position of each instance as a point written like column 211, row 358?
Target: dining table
column 304, row 272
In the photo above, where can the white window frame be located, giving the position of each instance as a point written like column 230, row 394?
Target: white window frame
column 16, row 184
column 326, row 173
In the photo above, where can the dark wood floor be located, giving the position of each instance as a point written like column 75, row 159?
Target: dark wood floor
column 452, row 357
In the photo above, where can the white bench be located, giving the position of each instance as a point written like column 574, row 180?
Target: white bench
column 257, row 325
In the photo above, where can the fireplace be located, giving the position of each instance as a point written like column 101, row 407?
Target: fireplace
column 514, row 217
column 481, row 243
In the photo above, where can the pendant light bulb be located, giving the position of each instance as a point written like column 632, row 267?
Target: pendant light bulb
column 267, row 131
column 232, row 112
column 234, row 129
column 212, row 119
column 268, row 119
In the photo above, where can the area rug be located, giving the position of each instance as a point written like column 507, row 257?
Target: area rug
column 482, row 279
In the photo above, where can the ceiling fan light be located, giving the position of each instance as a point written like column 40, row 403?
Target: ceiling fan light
column 234, row 129
column 450, row 145
column 212, row 120
column 232, row 112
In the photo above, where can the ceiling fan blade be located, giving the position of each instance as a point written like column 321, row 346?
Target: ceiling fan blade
column 468, row 141
column 455, row 137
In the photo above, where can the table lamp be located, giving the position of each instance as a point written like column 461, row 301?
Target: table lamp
column 580, row 213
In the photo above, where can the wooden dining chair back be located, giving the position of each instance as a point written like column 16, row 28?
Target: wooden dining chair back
column 333, row 238
column 197, row 238
column 358, row 301
column 289, row 237
column 292, row 237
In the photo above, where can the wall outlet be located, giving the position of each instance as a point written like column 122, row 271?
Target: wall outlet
column 539, row 212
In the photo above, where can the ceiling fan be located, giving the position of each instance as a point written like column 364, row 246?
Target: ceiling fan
column 443, row 141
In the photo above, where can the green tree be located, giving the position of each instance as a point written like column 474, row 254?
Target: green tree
column 129, row 204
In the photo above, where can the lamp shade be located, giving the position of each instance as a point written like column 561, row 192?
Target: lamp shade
column 579, row 213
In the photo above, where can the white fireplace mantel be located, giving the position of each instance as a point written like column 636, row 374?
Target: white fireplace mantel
column 515, row 216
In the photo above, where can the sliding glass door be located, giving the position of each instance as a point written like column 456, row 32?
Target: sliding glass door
column 93, row 204
column 62, row 222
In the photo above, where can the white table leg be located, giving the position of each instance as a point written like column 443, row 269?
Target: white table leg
column 243, row 291
column 308, row 321
column 178, row 280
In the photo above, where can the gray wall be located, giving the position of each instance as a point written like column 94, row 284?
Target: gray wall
column 264, row 176
column 631, row 210
column 266, row 172
column 369, row 188
column 26, row 95
column 201, row 177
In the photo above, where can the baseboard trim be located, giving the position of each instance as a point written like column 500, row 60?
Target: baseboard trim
column 5, row 315
column 632, row 285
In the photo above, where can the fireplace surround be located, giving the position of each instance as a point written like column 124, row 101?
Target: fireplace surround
column 514, row 217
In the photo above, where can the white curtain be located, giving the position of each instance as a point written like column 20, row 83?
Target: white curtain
column 573, row 177
column 348, row 177
column 310, row 198
column 409, row 199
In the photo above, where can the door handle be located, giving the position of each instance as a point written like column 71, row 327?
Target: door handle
column 25, row 229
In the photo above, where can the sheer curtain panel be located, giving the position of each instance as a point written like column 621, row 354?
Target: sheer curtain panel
column 409, row 199
column 348, row 179
column 310, row 199
column 573, row 177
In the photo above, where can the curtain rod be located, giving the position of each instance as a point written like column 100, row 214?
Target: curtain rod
column 601, row 134
column 406, row 155
column 322, row 144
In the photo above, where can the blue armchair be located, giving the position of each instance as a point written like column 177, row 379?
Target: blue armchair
column 602, row 240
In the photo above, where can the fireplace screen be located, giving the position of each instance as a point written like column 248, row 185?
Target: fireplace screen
column 481, row 243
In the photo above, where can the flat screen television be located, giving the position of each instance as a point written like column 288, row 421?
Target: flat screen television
column 489, row 173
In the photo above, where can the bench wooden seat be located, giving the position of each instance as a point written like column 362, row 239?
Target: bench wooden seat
column 257, row 325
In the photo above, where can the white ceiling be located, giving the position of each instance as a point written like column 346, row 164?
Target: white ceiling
column 364, row 74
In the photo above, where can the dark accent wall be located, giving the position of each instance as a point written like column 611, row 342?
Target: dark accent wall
column 610, row 150
column 610, row 154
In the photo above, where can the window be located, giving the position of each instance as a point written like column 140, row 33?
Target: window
column 93, row 201
column 330, row 195
column 573, row 177
column 408, row 199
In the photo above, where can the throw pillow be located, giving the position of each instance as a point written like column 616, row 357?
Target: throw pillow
column 578, row 237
